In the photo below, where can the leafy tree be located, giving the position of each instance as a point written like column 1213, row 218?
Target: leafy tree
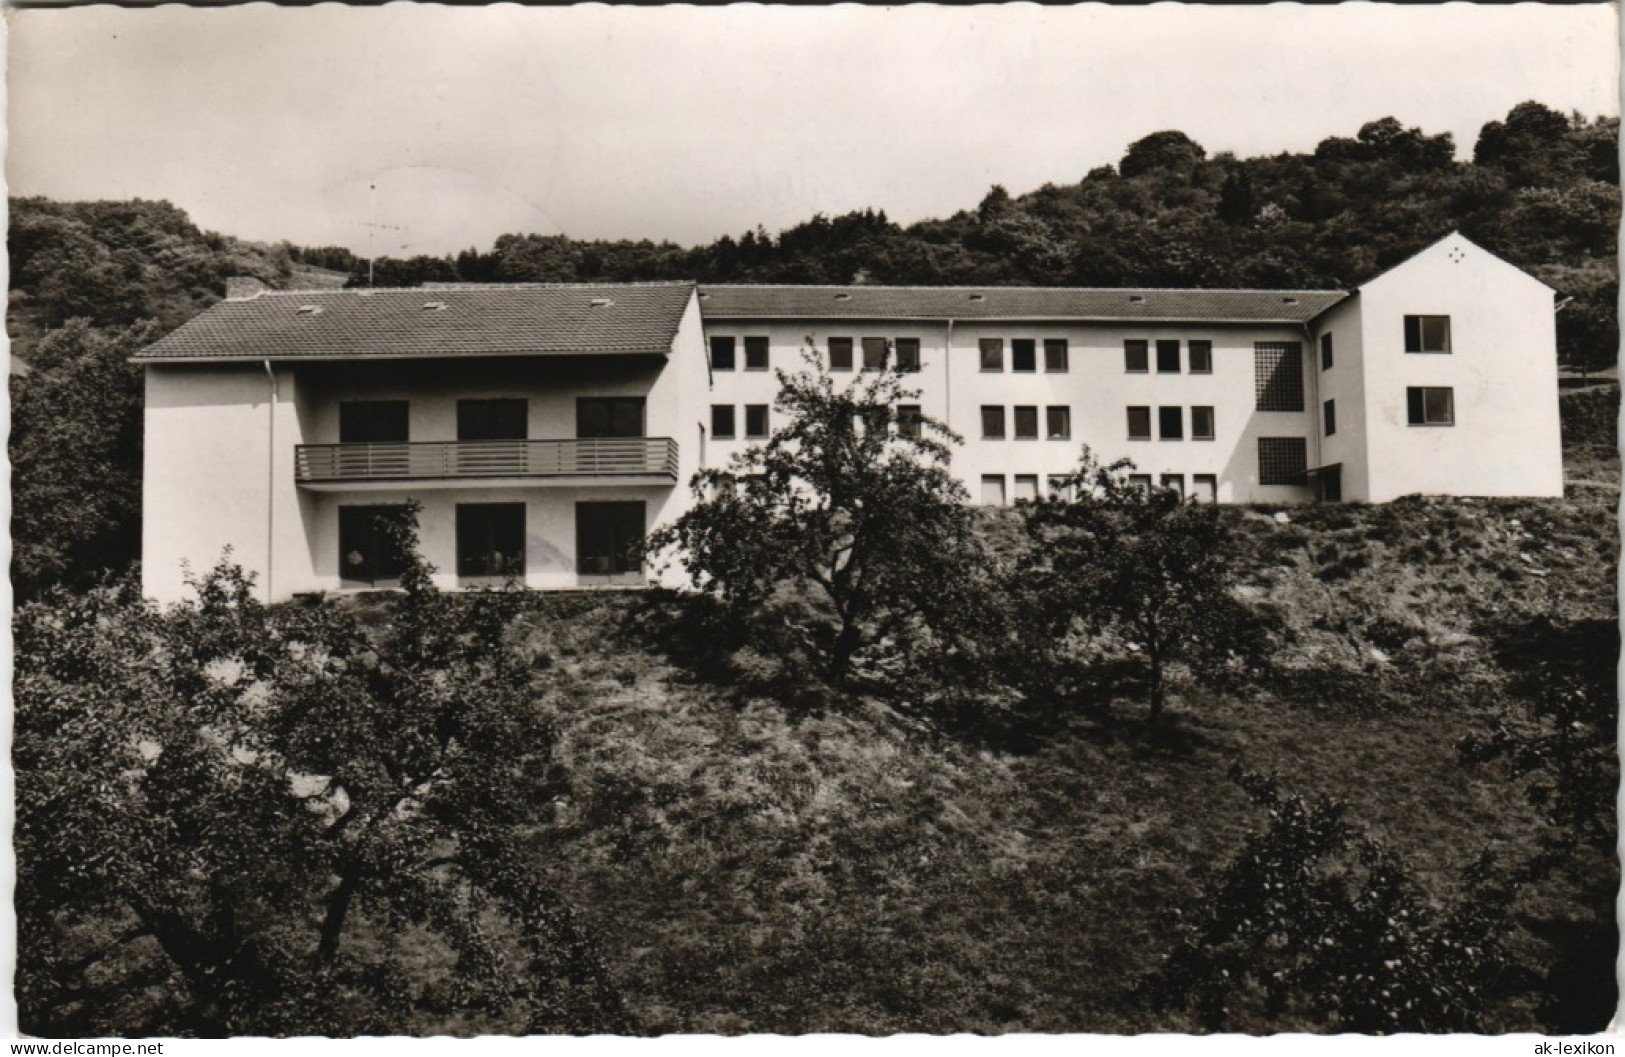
column 1170, row 152
column 847, row 502
column 240, row 820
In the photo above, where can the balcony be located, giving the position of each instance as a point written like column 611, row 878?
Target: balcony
column 446, row 464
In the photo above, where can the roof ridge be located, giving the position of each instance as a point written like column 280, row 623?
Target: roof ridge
column 1068, row 289
column 453, row 285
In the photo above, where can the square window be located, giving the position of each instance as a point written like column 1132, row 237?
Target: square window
column 722, row 354
column 1278, row 375
column 1201, row 423
column 619, row 416
column 874, row 354
column 1167, row 357
column 1136, row 356
column 609, row 539
column 755, row 354
column 1139, row 423
column 1201, row 353
column 840, row 354
column 1282, row 460
column 490, row 539
column 1058, row 423
column 1024, row 355
column 366, row 554
column 1174, row 482
column 992, row 422
column 722, row 421
column 908, row 354
column 1026, row 487
column 1140, row 480
column 992, row 489
column 1026, row 423
column 1430, row 406
column 373, row 422
column 992, row 354
column 1326, row 351
column 756, row 421
column 1060, row 486
column 1205, row 487
column 1427, row 333
column 1171, row 423
column 1056, row 355
column 908, row 420
column 1328, row 413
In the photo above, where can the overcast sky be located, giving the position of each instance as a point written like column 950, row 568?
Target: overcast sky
column 687, row 123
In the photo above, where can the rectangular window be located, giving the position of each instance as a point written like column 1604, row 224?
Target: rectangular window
column 992, row 489
column 840, row 354
column 908, row 354
column 992, row 354
column 1328, row 414
column 490, row 539
column 1427, row 333
column 373, row 422
column 755, row 354
column 1167, row 357
column 1136, row 356
column 722, row 421
column 609, row 416
column 1171, row 423
column 1278, row 374
column 756, row 421
column 1024, row 355
column 722, row 354
column 1201, row 353
column 908, row 420
column 1201, row 423
column 1057, row 355
column 1205, row 488
column 492, row 419
column 1282, row 460
column 1430, row 406
column 1058, row 423
column 1174, row 482
column 1139, row 423
column 1026, row 487
column 365, row 553
column 1140, row 480
column 1326, row 351
column 992, row 422
column 1026, row 422
column 874, row 354
column 609, row 539
column 1060, row 486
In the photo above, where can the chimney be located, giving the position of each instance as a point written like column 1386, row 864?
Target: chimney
column 244, row 288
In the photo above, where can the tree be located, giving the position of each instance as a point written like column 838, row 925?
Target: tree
column 850, row 502
column 1171, row 152
column 1141, row 564
column 234, row 819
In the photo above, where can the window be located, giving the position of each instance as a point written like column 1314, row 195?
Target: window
column 992, row 489
column 1278, row 374
column 722, row 354
column 1201, row 423
column 1328, row 415
column 755, row 354
column 1026, row 487
column 1205, row 487
column 1140, row 480
column 1058, row 423
column 1136, row 356
column 908, row 354
column 874, row 354
column 1427, row 333
column 365, row 553
column 1167, row 357
column 756, row 421
column 1174, row 482
column 1139, row 423
column 1026, row 423
column 1326, row 351
column 722, row 421
column 1060, row 486
column 1056, row 355
column 609, row 416
column 992, row 422
column 490, row 539
column 373, row 422
column 1201, row 353
column 609, row 539
column 908, row 420
column 1024, row 355
column 492, row 419
column 840, row 354
column 1282, row 460
column 1171, row 423
column 992, row 354
column 1430, row 406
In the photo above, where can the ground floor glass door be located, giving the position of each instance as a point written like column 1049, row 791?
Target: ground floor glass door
column 609, row 541
column 366, row 556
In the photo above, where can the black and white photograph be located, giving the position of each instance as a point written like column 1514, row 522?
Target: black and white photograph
column 993, row 520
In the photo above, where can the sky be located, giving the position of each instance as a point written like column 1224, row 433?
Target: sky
column 419, row 129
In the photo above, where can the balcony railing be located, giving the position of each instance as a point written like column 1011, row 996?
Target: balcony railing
column 444, row 460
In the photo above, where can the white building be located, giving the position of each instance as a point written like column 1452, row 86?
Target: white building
column 544, row 427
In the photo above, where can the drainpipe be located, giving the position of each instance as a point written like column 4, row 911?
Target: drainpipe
column 1312, row 351
column 270, row 481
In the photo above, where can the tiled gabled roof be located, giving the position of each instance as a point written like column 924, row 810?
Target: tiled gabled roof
column 447, row 320
column 1015, row 303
